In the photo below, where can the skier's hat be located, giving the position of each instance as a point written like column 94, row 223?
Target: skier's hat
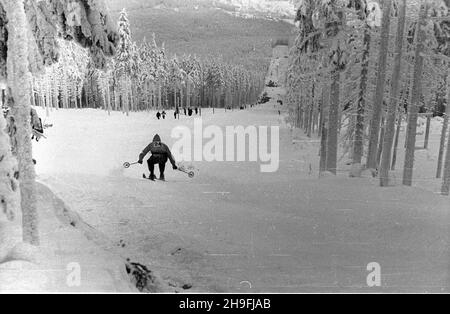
column 157, row 138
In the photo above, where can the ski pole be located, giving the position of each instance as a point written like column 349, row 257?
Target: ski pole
column 190, row 173
column 128, row 165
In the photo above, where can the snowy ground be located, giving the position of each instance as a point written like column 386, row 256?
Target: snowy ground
column 235, row 229
column 63, row 251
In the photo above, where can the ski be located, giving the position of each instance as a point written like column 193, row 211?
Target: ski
column 148, row 178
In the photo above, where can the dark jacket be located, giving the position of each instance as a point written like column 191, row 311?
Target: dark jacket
column 36, row 122
column 157, row 148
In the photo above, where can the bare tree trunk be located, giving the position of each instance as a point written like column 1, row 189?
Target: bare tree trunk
column 310, row 122
column 427, row 132
column 393, row 102
column 380, row 88
column 116, row 98
column 324, row 132
column 397, row 138
column 446, row 181
column 333, row 123
column 188, row 94
column 444, row 132
column 19, row 80
column 108, row 97
column 86, row 98
column 213, row 99
column 316, row 120
column 181, row 97
column 159, row 96
column 380, row 146
column 358, row 145
column 416, row 94
column 127, row 94
column 320, row 121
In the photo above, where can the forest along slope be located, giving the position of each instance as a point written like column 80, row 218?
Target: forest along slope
column 235, row 229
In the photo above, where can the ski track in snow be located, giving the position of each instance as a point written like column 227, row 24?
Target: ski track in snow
column 235, row 229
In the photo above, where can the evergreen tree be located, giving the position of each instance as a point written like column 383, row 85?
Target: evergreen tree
column 124, row 61
column 31, row 29
column 380, row 87
column 393, row 101
column 9, row 189
column 370, row 14
column 416, row 96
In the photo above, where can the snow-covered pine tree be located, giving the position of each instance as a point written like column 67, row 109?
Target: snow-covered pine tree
column 124, row 61
column 370, row 14
column 147, row 75
column 9, row 190
column 174, row 79
column 380, row 86
column 416, row 96
column 65, row 78
column 19, row 85
column 334, row 19
column 389, row 134
column 9, row 187
column 31, row 28
column 304, row 60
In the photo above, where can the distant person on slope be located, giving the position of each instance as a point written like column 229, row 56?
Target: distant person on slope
column 36, row 126
column 160, row 154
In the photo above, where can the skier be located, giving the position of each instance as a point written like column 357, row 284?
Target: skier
column 163, row 115
column 160, row 154
column 177, row 113
column 158, row 115
column 36, row 126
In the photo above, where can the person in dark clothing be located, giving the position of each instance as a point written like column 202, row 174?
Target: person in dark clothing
column 163, row 115
column 190, row 112
column 160, row 154
column 158, row 115
column 36, row 126
column 196, row 110
column 185, row 111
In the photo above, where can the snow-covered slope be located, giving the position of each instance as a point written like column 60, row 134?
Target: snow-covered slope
column 235, row 229
column 262, row 8
column 271, row 9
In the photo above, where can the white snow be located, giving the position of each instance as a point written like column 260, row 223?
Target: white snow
column 233, row 228
column 283, row 8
